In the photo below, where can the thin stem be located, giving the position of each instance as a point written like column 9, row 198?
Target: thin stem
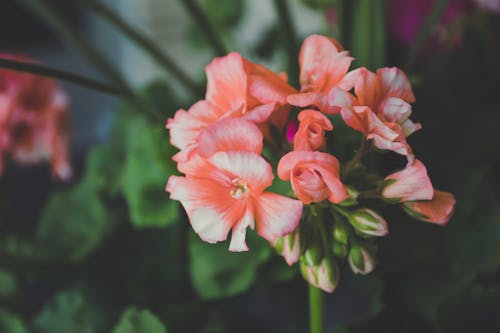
column 316, row 310
column 426, row 30
column 289, row 37
column 55, row 21
column 143, row 41
column 34, row 68
column 363, row 149
column 206, row 27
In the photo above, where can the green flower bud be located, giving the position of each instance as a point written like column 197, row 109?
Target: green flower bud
column 368, row 222
column 325, row 275
column 341, row 232
column 339, row 250
column 352, row 199
column 361, row 260
column 313, row 254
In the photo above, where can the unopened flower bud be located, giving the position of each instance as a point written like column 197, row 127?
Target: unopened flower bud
column 313, row 254
column 324, row 276
column 368, row 222
column 341, row 233
column 289, row 247
column 361, row 260
column 339, row 250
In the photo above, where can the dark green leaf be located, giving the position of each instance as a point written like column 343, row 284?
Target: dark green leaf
column 134, row 320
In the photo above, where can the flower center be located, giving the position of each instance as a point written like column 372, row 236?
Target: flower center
column 239, row 188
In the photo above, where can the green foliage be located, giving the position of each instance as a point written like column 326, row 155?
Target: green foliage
column 69, row 311
column 216, row 272
column 11, row 323
column 8, row 284
column 74, row 223
column 134, row 320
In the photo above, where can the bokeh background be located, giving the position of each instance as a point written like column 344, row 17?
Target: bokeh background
column 108, row 251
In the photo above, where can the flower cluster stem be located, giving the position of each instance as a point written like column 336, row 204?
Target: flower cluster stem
column 316, row 310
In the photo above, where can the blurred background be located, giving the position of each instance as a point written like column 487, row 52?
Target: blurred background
column 108, row 251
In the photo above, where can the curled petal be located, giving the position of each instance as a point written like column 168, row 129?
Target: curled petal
column 311, row 132
column 395, row 83
column 409, row 184
column 439, row 210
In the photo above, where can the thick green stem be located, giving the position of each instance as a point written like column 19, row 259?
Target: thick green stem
column 426, row 30
column 205, row 26
column 34, row 68
column 144, row 42
column 316, row 310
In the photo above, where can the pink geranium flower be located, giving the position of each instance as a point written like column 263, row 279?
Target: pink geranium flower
column 314, row 176
column 311, row 132
column 383, row 108
column 226, row 190
column 33, row 120
column 323, row 68
column 236, row 87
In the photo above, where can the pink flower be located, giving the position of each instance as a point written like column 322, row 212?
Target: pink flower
column 226, row 190
column 324, row 276
column 439, row 210
column 33, row 120
column 290, row 247
column 409, row 184
column 323, row 68
column 311, row 132
column 235, row 88
column 383, row 108
column 314, row 176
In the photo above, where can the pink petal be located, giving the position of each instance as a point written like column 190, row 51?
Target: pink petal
column 230, row 135
column 248, row 166
column 412, row 183
column 439, row 210
column 227, row 82
column 238, row 234
column 395, row 83
column 276, row 215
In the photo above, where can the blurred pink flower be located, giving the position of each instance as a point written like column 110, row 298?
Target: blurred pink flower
column 33, row 120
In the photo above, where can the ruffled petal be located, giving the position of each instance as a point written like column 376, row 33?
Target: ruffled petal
column 439, row 210
column 276, row 215
column 395, row 83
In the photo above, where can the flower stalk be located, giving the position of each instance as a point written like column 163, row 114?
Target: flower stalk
column 316, row 309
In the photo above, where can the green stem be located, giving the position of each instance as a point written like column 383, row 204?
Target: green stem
column 316, row 310
column 426, row 30
column 290, row 39
column 363, row 149
column 143, row 41
column 206, row 27
column 34, row 68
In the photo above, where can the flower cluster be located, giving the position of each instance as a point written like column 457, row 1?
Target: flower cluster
column 33, row 116
column 325, row 217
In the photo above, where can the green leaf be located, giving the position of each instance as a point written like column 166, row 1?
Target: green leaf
column 147, row 166
column 216, row 272
column 74, row 223
column 8, row 284
column 68, row 311
column 11, row 323
column 134, row 320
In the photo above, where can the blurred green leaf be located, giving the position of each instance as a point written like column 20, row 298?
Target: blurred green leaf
column 8, row 284
column 216, row 272
column 134, row 320
column 66, row 312
column 11, row 323
column 146, row 168
column 74, row 223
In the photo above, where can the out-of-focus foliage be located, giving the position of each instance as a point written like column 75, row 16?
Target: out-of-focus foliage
column 134, row 320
